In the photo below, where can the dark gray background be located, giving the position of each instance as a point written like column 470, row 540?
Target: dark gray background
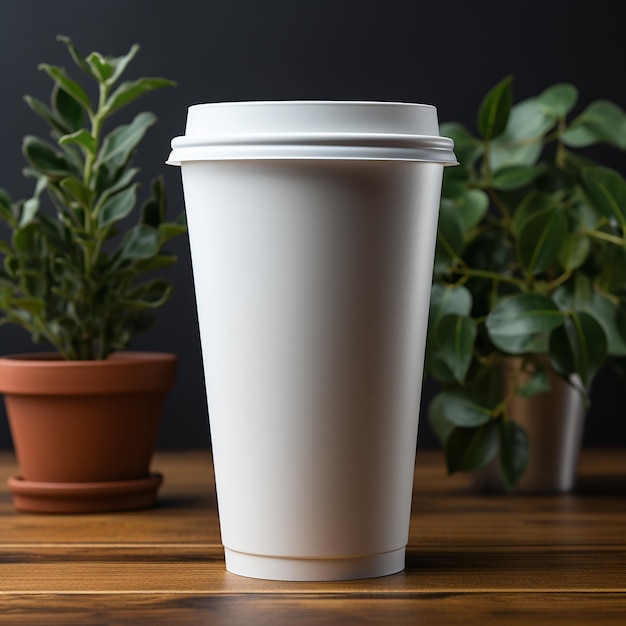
column 443, row 53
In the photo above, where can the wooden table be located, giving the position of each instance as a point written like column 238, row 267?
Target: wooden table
column 472, row 559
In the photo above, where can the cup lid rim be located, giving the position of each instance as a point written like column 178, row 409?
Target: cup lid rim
column 260, row 103
column 299, row 129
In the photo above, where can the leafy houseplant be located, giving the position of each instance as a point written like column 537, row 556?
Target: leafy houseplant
column 65, row 278
column 530, row 268
column 84, row 420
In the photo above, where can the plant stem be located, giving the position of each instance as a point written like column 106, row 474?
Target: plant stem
column 40, row 327
column 468, row 271
column 92, row 246
column 449, row 249
column 495, row 198
column 96, row 128
column 598, row 234
column 560, row 147
column 552, row 285
column 501, row 409
column 504, row 210
column 486, row 164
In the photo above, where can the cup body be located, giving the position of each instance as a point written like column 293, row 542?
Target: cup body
column 312, row 280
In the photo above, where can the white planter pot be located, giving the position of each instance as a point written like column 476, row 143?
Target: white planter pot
column 312, row 230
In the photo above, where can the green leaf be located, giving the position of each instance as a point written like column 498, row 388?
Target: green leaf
column 531, row 204
column 32, row 305
column 523, row 314
column 473, row 208
column 119, row 144
column 559, row 99
column 521, row 324
column 522, row 141
column 456, row 335
column 541, row 238
column 438, row 421
column 612, row 318
column 124, row 181
column 81, row 138
column 463, row 409
column 99, row 66
column 612, row 277
column 491, row 251
column 576, row 294
column 141, row 242
column 578, row 347
column 514, row 176
column 78, row 58
column 68, row 110
column 574, row 251
column 6, row 211
column 536, row 343
column 539, row 382
column 118, row 207
column 53, row 232
column 579, row 296
column 150, row 295
column 468, row 449
column 109, row 69
column 23, row 238
column 11, row 266
column 29, row 211
column 444, row 300
column 448, row 300
column 606, row 189
column 47, row 115
column 514, row 452
column 71, row 87
column 169, row 230
column 436, row 367
column 154, row 209
column 601, row 121
column 75, row 188
column 158, row 262
column 44, row 158
column 584, row 216
column 5, row 279
column 130, row 91
column 119, row 64
column 450, row 229
column 33, row 284
column 494, row 110
column 73, row 155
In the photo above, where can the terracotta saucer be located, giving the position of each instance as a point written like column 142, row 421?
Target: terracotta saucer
column 100, row 497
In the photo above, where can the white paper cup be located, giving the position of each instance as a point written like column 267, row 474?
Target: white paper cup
column 312, row 228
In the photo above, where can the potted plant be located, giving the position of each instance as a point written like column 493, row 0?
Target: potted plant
column 528, row 300
column 84, row 419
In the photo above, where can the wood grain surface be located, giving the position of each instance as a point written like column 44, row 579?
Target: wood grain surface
column 472, row 559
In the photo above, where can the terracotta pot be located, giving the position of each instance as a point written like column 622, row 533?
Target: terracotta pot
column 84, row 431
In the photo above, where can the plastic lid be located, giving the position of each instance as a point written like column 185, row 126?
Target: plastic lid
column 311, row 129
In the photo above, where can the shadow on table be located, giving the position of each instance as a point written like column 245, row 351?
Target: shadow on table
column 186, row 502
column 601, row 484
